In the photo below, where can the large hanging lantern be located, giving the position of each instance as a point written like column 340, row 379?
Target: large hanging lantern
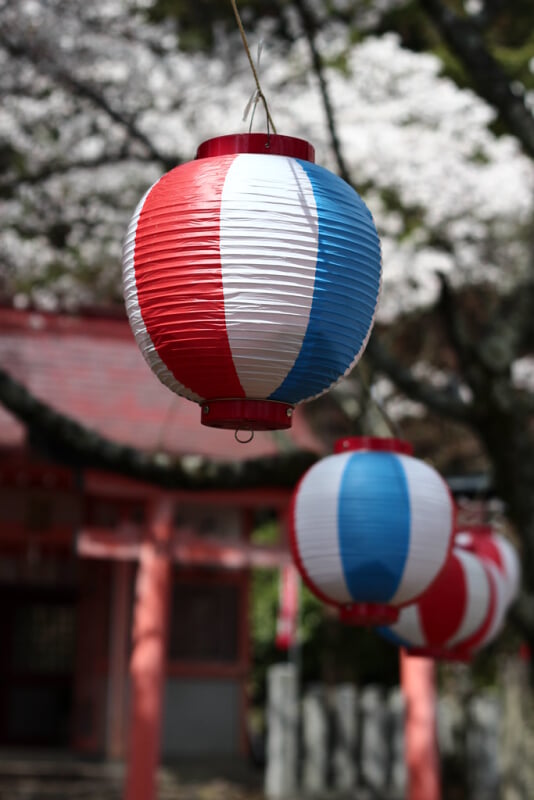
column 455, row 615
column 371, row 527
column 251, row 279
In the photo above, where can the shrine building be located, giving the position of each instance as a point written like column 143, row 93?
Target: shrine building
column 72, row 539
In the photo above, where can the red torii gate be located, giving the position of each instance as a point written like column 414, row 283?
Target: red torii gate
column 155, row 548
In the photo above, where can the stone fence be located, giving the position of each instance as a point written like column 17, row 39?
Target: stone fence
column 344, row 742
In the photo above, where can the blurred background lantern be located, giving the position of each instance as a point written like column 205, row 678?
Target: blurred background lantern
column 455, row 615
column 251, row 278
column 496, row 549
column 501, row 558
column 371, row 527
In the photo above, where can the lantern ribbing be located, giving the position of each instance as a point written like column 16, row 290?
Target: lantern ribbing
column 371, row 527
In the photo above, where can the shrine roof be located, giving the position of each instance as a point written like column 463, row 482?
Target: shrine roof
column 89, row 368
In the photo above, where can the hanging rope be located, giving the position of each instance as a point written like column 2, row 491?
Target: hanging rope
column 259, row 93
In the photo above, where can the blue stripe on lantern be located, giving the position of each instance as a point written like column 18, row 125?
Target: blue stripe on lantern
column 347, row 283
column 373, row 525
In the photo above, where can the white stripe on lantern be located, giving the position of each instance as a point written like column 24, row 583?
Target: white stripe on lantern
column 426, row 556
column 316, row 516
column 512, row 568
column 499, row 612
column 137, row 324
column 269, row 235
column 464, row 539
column 408, row 626
column 477, row 600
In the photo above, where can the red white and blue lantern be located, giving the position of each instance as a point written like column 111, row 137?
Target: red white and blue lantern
column 251, row 279
column 495, row 549
column 501, row 559
column 455, row 616
column 371, row 527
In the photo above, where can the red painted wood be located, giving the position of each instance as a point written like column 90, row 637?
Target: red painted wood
column 124, row 544
column 238, row 555
column 122, row 574
column 148, row 661
column 207, row 669
column 245, row 658
column 92, row 627
column 14, row 537
column 418, row 680
column 113, row 486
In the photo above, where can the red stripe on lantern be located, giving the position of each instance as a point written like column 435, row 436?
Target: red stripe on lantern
column 443, row 605
column 482, row 543
column 477, row 638
column 179, row 287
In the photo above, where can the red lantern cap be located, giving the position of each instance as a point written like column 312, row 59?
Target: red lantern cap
column 375, row 443
column 267, row 143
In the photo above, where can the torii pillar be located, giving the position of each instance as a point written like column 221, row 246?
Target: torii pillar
column 149, row 646
column 418, row 681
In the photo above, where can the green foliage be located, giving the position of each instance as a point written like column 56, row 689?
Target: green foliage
column 517, row 60
column 507, row 30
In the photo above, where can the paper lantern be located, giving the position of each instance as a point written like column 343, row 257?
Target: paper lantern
column 493, row 547
column 499, row 609
column 500, row 557
column 454, row 616
column 371, row 527
column 251, row 279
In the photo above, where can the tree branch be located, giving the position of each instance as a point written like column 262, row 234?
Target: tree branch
column 309, row 27
column 465, row 40
column 66, row 440
column 522, row 615
column 511, row 331
column 40, row 56
column 459, row 338
column 444, row 402
column 52, row 169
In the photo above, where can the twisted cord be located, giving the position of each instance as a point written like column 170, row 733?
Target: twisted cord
column 259, row 92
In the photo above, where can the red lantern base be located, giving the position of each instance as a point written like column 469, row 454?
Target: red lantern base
column 368, row 614
column 243, row 414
